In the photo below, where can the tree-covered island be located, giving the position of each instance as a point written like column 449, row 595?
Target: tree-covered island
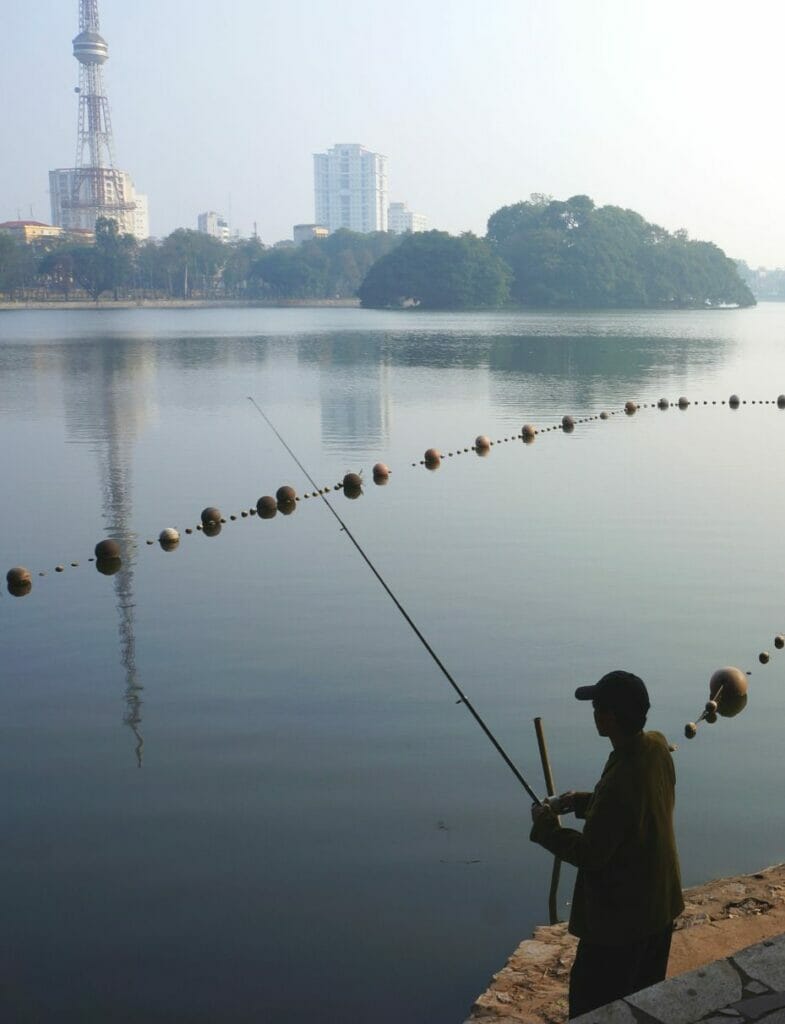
column 542, row 253
column 545, row 253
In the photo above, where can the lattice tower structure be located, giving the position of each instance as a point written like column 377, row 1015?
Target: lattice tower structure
column 97, row 188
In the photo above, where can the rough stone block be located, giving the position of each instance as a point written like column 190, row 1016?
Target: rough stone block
column 765, row 962
column 534, row 952
column 689, row 997
column 614, row 1013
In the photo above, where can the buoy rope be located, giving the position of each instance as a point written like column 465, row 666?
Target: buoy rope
column 463, row 699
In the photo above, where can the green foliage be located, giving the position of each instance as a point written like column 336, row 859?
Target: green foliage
column 434, row 270
column 322, row 268
column 16, row 266
column 190, row 260
column 573, row 254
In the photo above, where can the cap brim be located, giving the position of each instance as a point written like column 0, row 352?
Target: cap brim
column 585, row 692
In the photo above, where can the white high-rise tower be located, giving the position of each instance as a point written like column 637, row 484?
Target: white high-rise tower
column 94, row 187
column 350, row 188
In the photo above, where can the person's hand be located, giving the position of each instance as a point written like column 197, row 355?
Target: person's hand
column 539, row 809
column 564, row 803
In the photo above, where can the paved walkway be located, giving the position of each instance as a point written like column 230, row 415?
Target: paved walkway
column 748, row 986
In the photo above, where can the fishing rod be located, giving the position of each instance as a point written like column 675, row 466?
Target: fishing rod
column 463, row 698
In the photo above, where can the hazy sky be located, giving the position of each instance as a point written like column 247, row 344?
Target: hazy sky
column 671, row 108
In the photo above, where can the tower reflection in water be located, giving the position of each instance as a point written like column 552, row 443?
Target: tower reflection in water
column 108, row 388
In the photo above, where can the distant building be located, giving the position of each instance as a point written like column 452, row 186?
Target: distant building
column 212, row 223
column 350, row 189
column 401, row 219
column 28, row 231
column 305, row 232
column 72, row 192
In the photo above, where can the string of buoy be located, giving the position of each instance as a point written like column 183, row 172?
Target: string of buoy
column 107, row 555
column 433, row 457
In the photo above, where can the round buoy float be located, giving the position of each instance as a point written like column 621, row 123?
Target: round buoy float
column 663, row 403
column 683, row 402
column 781, row 402
column 604, row 415
column 285, row 494
column 482, row 441
column 690, row 730
column 528, row 432
column 20, row 588
column 630, row 408
column 352, row 490
column 567, row 423
column 763, row 657
column 212, row 529
column 732, row 681
column 779, row 641
column 287, row 507
column 432, row 458
column 381, row 472
column 211, row 515
column 733, row 401
column 106, row 549
column 108, row 566
column 353, row 480
column 169, row 538
column 18, row 575
column 266, row 506
column 728, row 687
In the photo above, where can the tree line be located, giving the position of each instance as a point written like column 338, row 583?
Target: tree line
column 187, row 265
column 541, row 253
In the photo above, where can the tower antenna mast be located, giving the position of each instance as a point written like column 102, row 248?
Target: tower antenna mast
column 97, row 188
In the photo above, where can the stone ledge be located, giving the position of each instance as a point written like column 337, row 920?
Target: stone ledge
column 720, row 920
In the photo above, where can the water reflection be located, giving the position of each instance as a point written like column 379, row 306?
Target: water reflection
column 108, row 401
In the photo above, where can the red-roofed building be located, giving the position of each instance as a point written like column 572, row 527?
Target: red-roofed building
column 29, row 230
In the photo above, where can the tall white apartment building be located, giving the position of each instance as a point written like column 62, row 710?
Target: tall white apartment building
column 212, row 223
column 350, row 188
column 79, row 196
column 401, row 219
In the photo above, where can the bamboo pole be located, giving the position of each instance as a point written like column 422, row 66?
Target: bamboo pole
column 550, row 788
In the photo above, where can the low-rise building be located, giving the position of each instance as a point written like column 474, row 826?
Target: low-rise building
column 401, row 219
column 213, row 224
column 305, row 232
column 29, row 230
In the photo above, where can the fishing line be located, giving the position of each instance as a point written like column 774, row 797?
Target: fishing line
column 463, row 698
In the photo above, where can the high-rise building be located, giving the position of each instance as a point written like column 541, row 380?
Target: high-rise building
column 94, row 187
column 212, row 223
column 350, row 188
column 401, row 219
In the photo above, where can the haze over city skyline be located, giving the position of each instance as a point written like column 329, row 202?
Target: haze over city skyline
column 666, row 108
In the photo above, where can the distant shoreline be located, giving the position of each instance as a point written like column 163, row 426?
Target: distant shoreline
column 107, row 304
column 83, row 304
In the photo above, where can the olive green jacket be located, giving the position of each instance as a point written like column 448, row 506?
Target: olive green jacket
column 628, row 884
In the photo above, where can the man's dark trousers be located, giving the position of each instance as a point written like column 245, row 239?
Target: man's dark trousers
column 602, row 974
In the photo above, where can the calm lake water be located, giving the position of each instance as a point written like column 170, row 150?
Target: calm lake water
column 236, row 788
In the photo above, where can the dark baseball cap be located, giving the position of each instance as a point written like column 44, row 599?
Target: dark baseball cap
column 617, row 690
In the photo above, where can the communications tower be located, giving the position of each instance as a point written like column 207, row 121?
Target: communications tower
column 94, row 187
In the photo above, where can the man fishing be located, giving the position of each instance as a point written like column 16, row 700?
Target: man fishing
column 628, row 887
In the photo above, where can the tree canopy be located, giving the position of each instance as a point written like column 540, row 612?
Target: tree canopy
column 574, row 254
column 542, row 252
column 434, row 270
